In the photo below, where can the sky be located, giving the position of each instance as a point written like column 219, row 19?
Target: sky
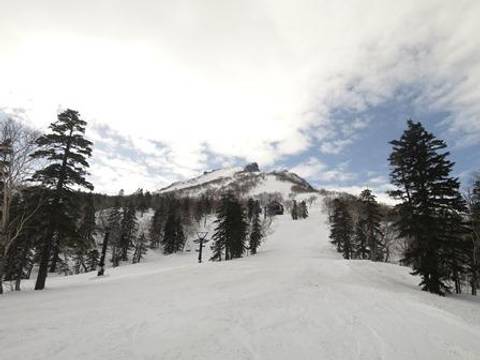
column 173, row 88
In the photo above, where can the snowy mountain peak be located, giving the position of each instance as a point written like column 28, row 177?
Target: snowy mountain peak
column 245, row 181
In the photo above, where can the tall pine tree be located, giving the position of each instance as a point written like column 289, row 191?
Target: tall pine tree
column 66, row 151
column 430, row 212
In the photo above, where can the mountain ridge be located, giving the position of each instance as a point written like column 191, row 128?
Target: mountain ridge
column 245, row 181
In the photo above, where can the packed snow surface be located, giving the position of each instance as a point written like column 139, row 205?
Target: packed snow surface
column 296, row 299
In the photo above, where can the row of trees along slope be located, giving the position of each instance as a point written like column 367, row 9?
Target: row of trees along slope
column 50, row 224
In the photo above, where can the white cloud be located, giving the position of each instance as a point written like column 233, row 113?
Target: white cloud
column 334, row 146
column 378, row 180
column 247, row 79
column 318, row 172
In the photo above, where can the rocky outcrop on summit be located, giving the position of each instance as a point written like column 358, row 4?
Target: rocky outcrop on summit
column 252, row 167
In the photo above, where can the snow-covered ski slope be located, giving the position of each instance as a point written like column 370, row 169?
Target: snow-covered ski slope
column 296, row 299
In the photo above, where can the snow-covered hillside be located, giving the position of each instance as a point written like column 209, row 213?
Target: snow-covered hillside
column 248, row 181
column 296, row 299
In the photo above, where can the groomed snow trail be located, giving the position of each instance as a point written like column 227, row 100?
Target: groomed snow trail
column 296, row 299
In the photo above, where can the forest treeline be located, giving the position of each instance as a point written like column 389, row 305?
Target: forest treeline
column 52, row 221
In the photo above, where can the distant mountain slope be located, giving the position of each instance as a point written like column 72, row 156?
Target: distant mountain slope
column 244, row 181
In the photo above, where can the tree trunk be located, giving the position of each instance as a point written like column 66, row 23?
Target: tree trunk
column 19, row 274
column 458, row 288
column 55, row 258
column 17, row 283
column 3, row 255
column 474, row 280
column 124, row 256
column 44, row 259
column 84, row 266
column 114, row 259
column 52, row 226
column 2, row 270
column 101, row 265
column 23, row 262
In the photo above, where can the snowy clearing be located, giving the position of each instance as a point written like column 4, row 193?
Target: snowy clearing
column 296, row 299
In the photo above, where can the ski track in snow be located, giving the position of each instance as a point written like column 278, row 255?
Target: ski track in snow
column 296, row 299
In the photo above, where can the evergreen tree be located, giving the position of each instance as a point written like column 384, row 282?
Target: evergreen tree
column 92, row 260
column 256, row 233
column 128, row 229
column 86, row 232
column 341, row 229
column 143, row 201
column 207, row 204
column 88, row 226
column 173, row 235
column 198, row 211
column 474, row 234
column 430, row 212
column 79, row 263
column 114, row 231
column 458, row 248
column 294, row 211
column 66, row 151
column 186, row 210
column 251, row 208
column 101, row 263
column 231, row 229
column 360, row 245
column 156, row 228
column 180, row 235
column 140, row 248
column 203, row 208
column 302, row 210
column 147, row 199
column 370, row 224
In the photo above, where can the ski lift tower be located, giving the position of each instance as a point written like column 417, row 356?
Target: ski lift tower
column 201, row 241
